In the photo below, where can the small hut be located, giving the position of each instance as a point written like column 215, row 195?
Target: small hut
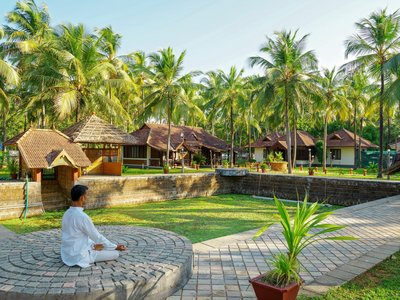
column 48, row 153
column 102, row 143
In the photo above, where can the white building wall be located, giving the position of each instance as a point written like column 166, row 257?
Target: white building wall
column 258, row 154
column 347, row 157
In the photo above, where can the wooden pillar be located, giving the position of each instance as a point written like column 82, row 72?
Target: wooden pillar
column 74, row 174
column 37, row 175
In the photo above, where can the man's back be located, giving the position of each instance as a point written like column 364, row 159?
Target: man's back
column 75, row 243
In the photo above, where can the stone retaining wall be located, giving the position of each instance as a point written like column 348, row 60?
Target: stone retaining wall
column 12, row 199
column 109, row 191
column 113, row 190
column 338, row 191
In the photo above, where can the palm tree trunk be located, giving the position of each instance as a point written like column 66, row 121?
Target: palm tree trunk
column 380, row 162
column 43, row 115
column 169, row 129
column 77, row 111
column 288, row 137
column 325, row 142
column 355, row 134
column 294, row 141
column 359, row 143
column 4, row 126
column 232, row 138
column 388, row 137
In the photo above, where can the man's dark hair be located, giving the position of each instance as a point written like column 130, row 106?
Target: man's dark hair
column 77, row 191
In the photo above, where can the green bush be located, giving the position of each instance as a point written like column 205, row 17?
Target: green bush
column 241, row 162
column 225, row 163
column 125, row 169
column 12, row 165
column 372, row 167
column 319, row 149
column 199, row 159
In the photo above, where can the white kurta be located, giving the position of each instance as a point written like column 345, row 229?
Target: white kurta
column 78, row 235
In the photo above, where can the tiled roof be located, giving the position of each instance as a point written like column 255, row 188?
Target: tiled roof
column 303, row 138
column 40, row 147
column 94, row 130
column 345, row 138
column 156, row 136
column 266, row 141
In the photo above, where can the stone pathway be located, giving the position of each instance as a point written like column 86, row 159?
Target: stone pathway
column 223, row 266
column 6, row 233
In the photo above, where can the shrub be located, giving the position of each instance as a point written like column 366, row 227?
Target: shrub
column 319, row 149
column 241, row 162
column 264, row 166
column 372, row 167
column 199, row 159
column 125, row 169
column 225, row 163
column 275, row 156
column 12, row 165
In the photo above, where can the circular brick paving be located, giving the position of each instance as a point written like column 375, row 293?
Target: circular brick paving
column 156, row 264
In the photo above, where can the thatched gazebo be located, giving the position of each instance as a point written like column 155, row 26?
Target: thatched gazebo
column 102, row 143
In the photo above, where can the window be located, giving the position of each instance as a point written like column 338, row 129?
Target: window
column 49, row 174
column 302, row 154
column 336, row 154
column 135, row 152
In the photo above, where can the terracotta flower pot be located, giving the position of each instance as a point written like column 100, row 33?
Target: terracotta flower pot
column 197, row 167
column 266, row 291
column 166, row 171
column 263, row 170
column 280, row 166
column 311, row 172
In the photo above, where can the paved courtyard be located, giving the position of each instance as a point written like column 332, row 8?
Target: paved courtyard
column 157, row 261
column 223, row 266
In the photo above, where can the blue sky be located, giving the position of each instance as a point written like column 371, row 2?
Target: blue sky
column 218, row 33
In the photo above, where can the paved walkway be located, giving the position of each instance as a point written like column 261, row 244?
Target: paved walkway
column 223, row 266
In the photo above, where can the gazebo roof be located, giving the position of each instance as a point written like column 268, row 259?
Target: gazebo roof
column 93, row 130
column 47, row 148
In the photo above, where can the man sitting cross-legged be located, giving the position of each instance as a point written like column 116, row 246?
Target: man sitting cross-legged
column 81, row 243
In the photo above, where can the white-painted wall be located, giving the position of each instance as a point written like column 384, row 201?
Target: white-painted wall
column 347, row 158
column 258, row 154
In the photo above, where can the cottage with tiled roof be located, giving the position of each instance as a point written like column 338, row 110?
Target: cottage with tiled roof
column 48, row 149
column 277, row 142
column 340, row 145
column 151, row 145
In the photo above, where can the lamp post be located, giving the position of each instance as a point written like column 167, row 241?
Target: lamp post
column 388, row 162
column 330, row 156
column 309, row 158
column 182, row 153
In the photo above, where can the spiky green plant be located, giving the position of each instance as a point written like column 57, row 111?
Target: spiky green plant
column 306, row 228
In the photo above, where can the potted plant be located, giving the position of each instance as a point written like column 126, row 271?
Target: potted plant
column 225, row 163
column 276, row 162
column 166, row 169
column 311, row 171
column 263, row 167
column 12, row 166
column 307, row 227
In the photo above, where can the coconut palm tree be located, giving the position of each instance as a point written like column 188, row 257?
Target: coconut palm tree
column 376, row 41
column 358, row 92
column 83, row 73
column 230, row 89
column 167, row 86
column 8, row 77
column 331, row 102
column 288, row 70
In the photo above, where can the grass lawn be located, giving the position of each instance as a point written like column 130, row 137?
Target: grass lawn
column 199, row 219
column 381, row 282
column 338, row 172
column 137, row 171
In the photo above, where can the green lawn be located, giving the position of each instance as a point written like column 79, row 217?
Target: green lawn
column 381, row 282
column 198, row 219
column 136, row 171
column 338, row 172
